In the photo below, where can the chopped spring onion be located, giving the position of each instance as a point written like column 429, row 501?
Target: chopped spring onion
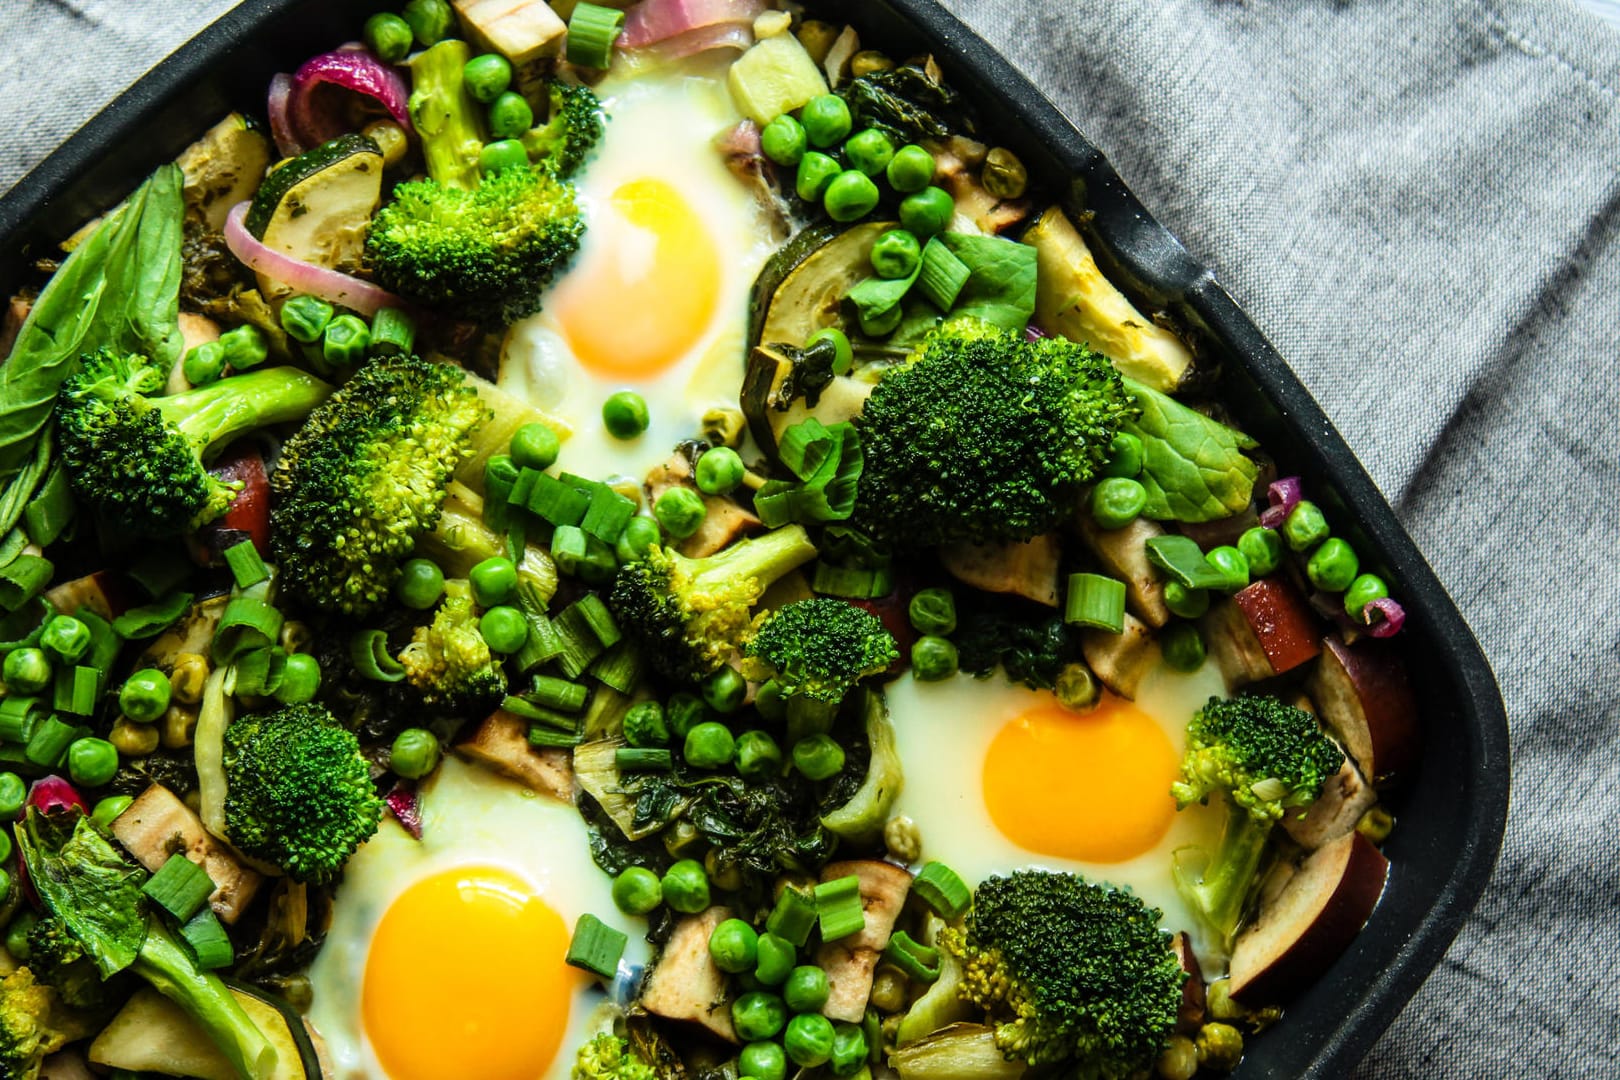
column 917, row 960
column 368, row 649
column 539, row 714
column 247, row 623
column 85, row 690
column 546, row 738
column 555, row 693
column 943, row 890
column 393, row 333
column 629, row 759
column 22, row 579
column 592, row 30
column 851, row 583
column 50, row 742
column 19, row 716
column 556, row 502
column 523, row 487
column 942, row 275
column 500, row 477
column 246, row 566
column 545, row 643
column 208, row 940
column 180, row 887
column 839, row 908
column 806, row 446
column 619, row 667
column 50, row 512
column 607, row 514
column 570, row 548
column 600, row 619
column 150, row 620
column 580, row 643
column 793, row 917
column 257, row 673
column 596, row 946
column 1182, row 559
column 1095, row 601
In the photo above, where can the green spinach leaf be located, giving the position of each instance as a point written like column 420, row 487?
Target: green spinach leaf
column 1193, row 467
column 1001, row 288
column 88, row 884
column 876, row 297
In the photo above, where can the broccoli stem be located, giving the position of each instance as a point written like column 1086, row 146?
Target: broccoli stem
column 764, row 558
column 1223, row 891
column 213, row 415
column 166, row 964
column 445, row 115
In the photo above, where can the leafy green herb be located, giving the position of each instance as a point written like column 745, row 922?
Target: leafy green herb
column 88, row 884
column 908, row 102
column 1001, row 286
column 1193, row 467
column 876, row 297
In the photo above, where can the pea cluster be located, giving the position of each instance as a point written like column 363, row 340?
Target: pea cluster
column 695, row 725
column 1331, row 563
column 331, row 340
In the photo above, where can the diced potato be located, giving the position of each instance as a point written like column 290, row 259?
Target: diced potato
column 724, row 522
column 1015, row 568
column 774, row 77
column 685, row 984
column 519, row 30
column 502, row 743
column 849, row 962
column 157, row 824
column 1121, row 661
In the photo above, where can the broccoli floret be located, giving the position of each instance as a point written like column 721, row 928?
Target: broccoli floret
column 1265, row 757
column 58, row 960
column 139, row 461
column 817, row 650
column 608, row 1057
column 690, row 615
column 571, row 131
column 365, row 477
column 1069, row 972
column 485, row 254
column 297, row 792
column 984, row 436
column 30, row 1026
column 449, row 661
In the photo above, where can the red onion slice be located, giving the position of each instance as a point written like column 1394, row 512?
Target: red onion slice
column 50, row 794
column 350, row 292
column 403, row 803
column 1283, row 495
column 722, row 36
column 281, row 129
column 314, row 121
column 652, row 21
column 1034, row 333
column 1384, row 617
column 739, row 141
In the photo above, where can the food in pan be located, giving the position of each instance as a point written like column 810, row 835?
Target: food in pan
column 642, row 543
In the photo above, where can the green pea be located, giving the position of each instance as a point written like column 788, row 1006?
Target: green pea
column 719, row 471
column 776, row 957
column 420, row 584
column 896, row 254
column 13, row 793
column 493, row 581
column 685, row 712
column 245, row 347
column 145, row 695
column 204, row 363
column 17, row 934
column 1183, row 646
column 430, row 20
column 928, row 211
column 5, row 845
column 5, row 885
column 1263, row 548
column 487, row 77
column 850, row 196
column 304, row 317
column 709, row 745
column 1185, row 602
column 502, row 154
column 882, row 324
column 510, row 116
column 107, row 810
column 769, row 701
column 1365, row 589
column 933, row 658
column 1333, row 565
column 933, row 611
column 734, row 946
column 1077, row 688
column 534, row 446
column 1232, row 565
column 504, row 629
column 26, row 671
column 92, row 762
column 808, row 1040
column 758, row 1015
column 346, row 341
column 816, row 172
column 680, row 511
column 625, row 414
column 644, row 725
column 637, row 890
column 1124, row 456
column 869, row 151
column 783, row 141
column 826, row 120
column 724, row 691
column 640, row 536
column 65, row 639
column 1116, row 502
column 844, row 353
column 1305, row 527
column 415, row 753
column 300, row 679
column 762, row 1061
column 818, row 757
column 848, row 1050
column 389, row 36
column 686, row 887
column 911, row 169
column 806, row 989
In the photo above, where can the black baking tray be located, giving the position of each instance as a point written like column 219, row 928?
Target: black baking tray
column 1451, row 816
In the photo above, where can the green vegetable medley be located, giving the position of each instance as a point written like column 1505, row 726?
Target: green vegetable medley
column 274, row 546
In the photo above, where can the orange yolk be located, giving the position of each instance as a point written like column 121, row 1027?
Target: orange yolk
column 466, row 978
column 1094, row 787
column 644, row 291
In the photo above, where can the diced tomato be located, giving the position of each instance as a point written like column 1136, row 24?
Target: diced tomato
column 250, row 510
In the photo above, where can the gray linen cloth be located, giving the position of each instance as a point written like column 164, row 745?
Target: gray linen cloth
column 1417, row 201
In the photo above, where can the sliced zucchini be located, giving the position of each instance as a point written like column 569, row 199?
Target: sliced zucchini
column 771, row 403
column 151, row 1034
column 801, row 288
column 316, row 206
column 223, row 168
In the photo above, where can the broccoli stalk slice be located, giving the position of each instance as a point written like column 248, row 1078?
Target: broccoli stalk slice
column 213, row 415
column 1220, row 889
column 765, row 558
column 168, row 965
column 445, row 115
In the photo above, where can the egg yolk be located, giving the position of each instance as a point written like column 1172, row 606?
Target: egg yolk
column 644, row 292
column 466, row 978
column 1093, row 787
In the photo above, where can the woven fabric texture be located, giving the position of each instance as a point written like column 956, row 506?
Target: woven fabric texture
column 1419, row 202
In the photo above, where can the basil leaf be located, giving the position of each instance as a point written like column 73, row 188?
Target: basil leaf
column 1192, row 467
column 1001, row 286
column 876, row 297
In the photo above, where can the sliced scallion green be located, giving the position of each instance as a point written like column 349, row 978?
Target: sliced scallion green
column 246, row 566
column 247, row 623
column 50, row 512
column 917, row 960
column 839, row 909
column 942, row 276
column 1095, row 601
column 607, row 514
column 943, row 890
column 596, row 946
column 19, row 716
column 50, row 742
column 22, row 579
column 208, row 940
column 852, row 584
column 180, row 887
column 557, row 502
column 592, row 30
column 554, row 693
column 793, row 917
column 368, row 649
column 619, row 667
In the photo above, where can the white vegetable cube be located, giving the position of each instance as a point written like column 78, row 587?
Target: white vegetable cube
column 519, row 30
column 774, row 77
